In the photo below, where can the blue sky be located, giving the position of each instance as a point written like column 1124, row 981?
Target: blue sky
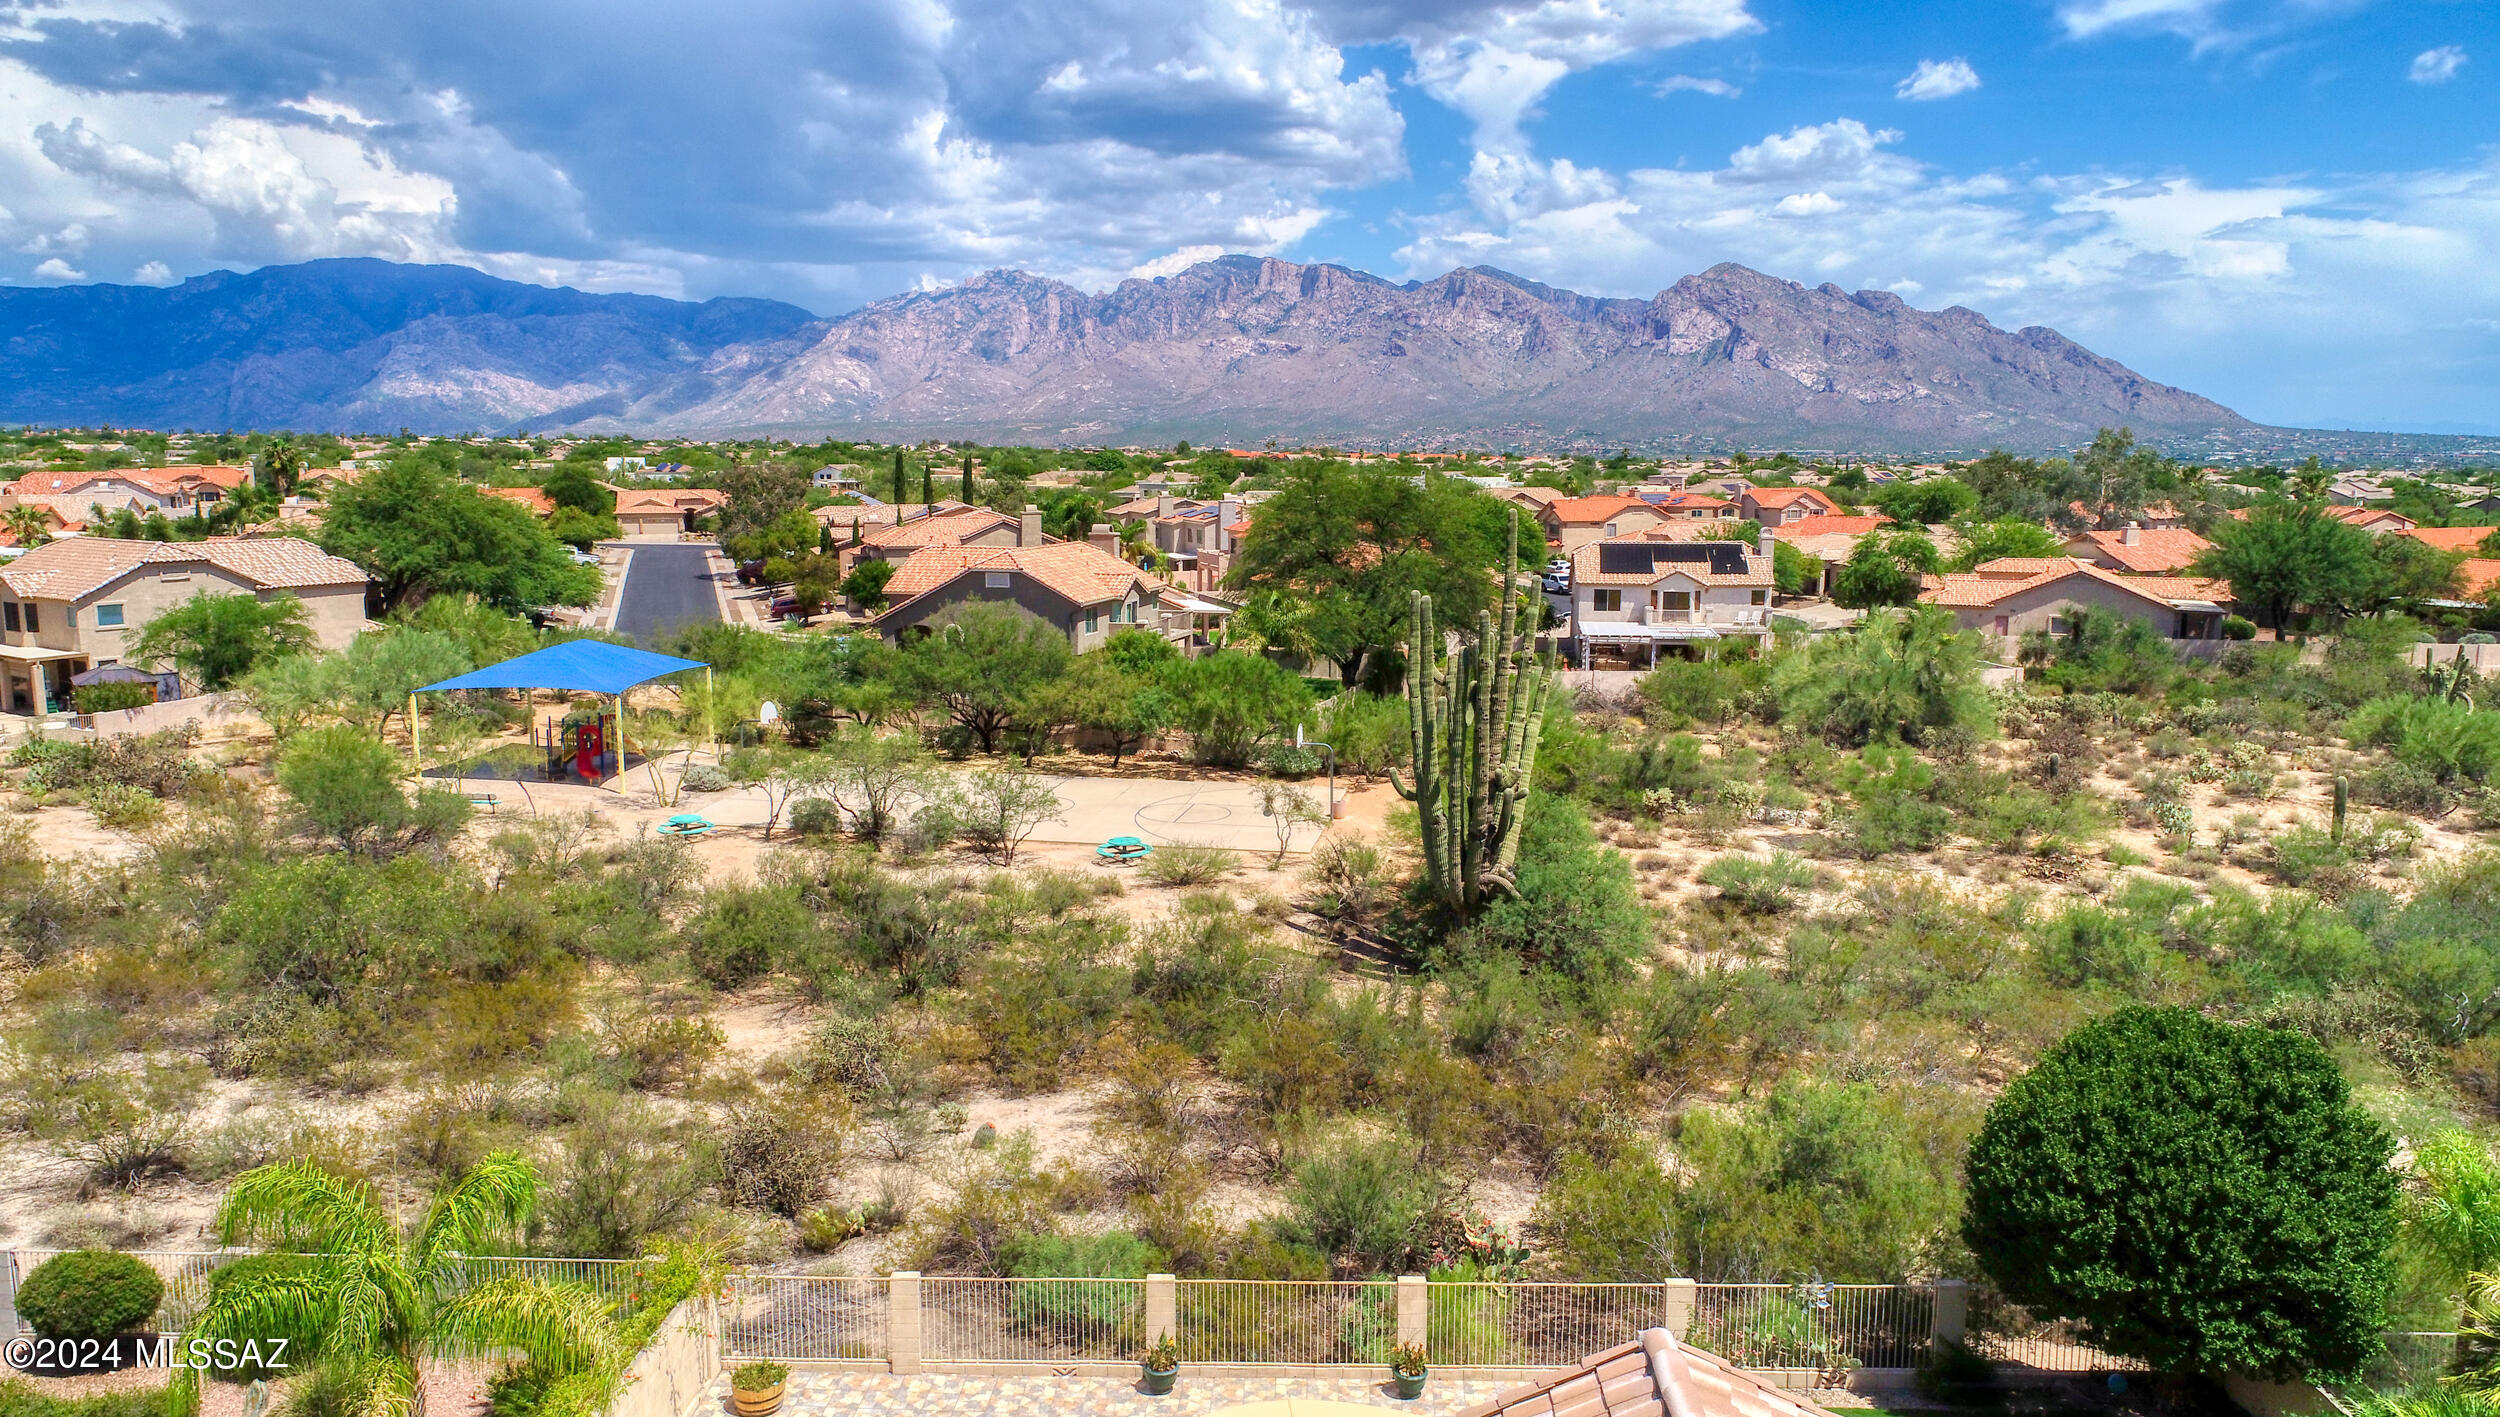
column 2292, row 206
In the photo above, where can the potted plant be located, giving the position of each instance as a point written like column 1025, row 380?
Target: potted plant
column 1407, row 1366
column 755, row 1389
column 1163, row 1364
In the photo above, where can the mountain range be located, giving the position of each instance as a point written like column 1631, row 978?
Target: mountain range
column 1232, row 350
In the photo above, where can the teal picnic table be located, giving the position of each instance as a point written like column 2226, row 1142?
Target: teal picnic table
column 687, row 824
column 1123, row 848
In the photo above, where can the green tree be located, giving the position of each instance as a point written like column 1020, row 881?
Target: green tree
column 2411, row 572
column 1356, row 543
column 2005, row 537
column 865, row 585
column 1232, row 702
column 347, row 783
column 419, row 533
column 2283, row 557
column 1905, row 676
column 278, row 468
column 28, row 524
column 579, row 529
column 2113, row 478
column 2201, row 1195
column 374, row 1301
column 575, row 485
column 1931, row 501
column 765, row 495
column 215, row 639
column 980, row 660
column 1884, row 569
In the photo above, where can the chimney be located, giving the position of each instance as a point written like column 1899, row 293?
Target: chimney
column 1762, row 543
column 1227, row 512
column 1103, row 537
column 2133, row 534
column 1029, row 526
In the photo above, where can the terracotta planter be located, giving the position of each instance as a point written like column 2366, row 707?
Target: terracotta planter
column 1159, row 1380
column 1410, row 1385
column 763, row 1402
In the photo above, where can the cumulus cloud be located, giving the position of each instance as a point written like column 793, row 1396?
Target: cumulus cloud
column 1174, row 263
column 1682, row 83
column 2437, row 66
column 56, row 269
column 154, row 273
column 1934, row 79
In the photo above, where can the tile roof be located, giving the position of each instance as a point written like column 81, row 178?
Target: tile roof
column 1652, row 1376
column 946, row 528
column 1686, row 501
column 2156, row 549
column 159, row 480
column 72, row 567
column 2478, row 575
column 633, row 501
column 1996, row 581
column 1753, row 569
column 529, row 497
column 1829, row 526
column 1783, row 496
column 1594, row 511
column 2363, row 516
column 1077, row 571
column 2449, row 538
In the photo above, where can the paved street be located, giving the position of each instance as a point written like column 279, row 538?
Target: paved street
column 668, row 586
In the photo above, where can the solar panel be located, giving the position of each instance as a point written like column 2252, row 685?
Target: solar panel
column 1640, row 558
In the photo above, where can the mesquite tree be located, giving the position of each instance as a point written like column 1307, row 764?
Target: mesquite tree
column 1474, row 717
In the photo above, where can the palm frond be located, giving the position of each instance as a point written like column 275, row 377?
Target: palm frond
column 394, row 1388
column 560, row 1328
column 295, row 1205
column 378, row 1306
column 300, row 1306
column 492, row 1201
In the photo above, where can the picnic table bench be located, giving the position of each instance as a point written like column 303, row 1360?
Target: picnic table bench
column 687, row 824
column 1123, row 848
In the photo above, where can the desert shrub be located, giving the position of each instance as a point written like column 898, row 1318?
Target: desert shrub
column 1894, row 811
column 124, row 808
column 1184, row 865
column 1115, row 1254
column 1370, row 1206
column 657, row 1052
column 731, row 941
column 704, row 777
column 111, row 696
column 857, row 1055
column 993, row 1197
column 346, row 780
column 1350, row 876
column 2405, row 787
column 625, row 1174
column 1577, row 914
column 20, row 1398
column 918, row 934
column 779, row 1158
column 1682, row 692
column 2451, row 739
column 2235, row 627
column 1044, row 1005
column 1611, row 1222
column 2309, row 857
column 815, row 817
column 89, row 1294
column 2201, row 1195
column 1287, row 760
column 1908, row 676
column 1761, row 887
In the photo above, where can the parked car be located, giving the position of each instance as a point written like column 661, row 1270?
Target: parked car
column 1559, row 566
column 785, row 606
column 1557, row 583
column 584, row 558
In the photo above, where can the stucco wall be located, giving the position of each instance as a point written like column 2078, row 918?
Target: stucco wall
column 2032, row 609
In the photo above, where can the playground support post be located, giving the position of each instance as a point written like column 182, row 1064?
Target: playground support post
column 416, row 742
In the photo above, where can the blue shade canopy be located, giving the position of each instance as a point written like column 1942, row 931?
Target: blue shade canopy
column 587, row 666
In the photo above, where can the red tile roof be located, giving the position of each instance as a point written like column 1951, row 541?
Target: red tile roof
column 1783, row 496
column 950, row 526
column 1995, row 581
column 2156, row 549
column 631, row 501
column 529, row 497
column 1652, row 1376
column 2448, row 538
column 1594, row 511
column 1078, row 571
column 1829, row 526
column 74, row 566
column 163, row 481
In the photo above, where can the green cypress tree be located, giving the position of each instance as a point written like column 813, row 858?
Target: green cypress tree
column 901, row 489
column 927, row 497
column 968, row 479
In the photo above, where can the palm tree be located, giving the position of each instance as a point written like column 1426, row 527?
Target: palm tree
column 384, row 1299
column 30, row 524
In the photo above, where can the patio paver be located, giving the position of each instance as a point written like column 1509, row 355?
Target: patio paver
column 962, row 1395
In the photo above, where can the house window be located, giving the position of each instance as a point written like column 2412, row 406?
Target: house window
column 70, row 617
column 1761, row 596
column 1606, row 600
column 107, row 616
column 33, row 624
column 1093, row 618
column 2057, row 624
column 994, row 580
column 1610, row 528
column 11, row 613
column 1675, row 600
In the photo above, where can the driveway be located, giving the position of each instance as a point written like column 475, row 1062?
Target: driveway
column 668, row 586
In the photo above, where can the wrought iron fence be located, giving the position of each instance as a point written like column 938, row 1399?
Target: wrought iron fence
column 805, row 1316
column 1826, row 1327
column 2411, row 1360
column 1534, row 1325
column 1031, row 1320
column 1253, row 1321
column 185, row 1272
column 2050, row 1348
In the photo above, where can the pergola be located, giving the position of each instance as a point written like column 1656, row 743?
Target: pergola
column 575, row 666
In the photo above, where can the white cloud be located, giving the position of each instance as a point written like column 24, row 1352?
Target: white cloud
column 1680, row 83
column 154, row 273
column 2085, row 18
column 1934, row 79
column 2437, row 66
column 57, row 269
column 1175, row 263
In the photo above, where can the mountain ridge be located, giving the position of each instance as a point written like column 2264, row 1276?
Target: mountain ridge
column 1236, row 348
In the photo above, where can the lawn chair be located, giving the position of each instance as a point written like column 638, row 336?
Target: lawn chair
column 1122, row 850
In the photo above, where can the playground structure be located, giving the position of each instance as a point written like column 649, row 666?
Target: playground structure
column 592, row 749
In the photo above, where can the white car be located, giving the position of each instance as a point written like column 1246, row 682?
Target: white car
column 1557, row 583
column 584, row 558
column 1559, row 566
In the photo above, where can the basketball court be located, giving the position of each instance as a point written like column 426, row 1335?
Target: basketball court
column 1169, row 813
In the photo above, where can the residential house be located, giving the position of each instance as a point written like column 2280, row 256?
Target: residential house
column 1831, row 540
column 72, row 605
column 1654, row 1375
column 1574, row 522
column 1630, row 595
column 836, row 477
column 84, row 496
column 2450, row 538
column 2138, row 551
column 1531, row 500
column 1694, row 506
column 2011, row 597
column 1075, row 586
column 954, row 525
column 668, row 512
column 539, row 503
column 1779, row 506
column 2358, row 492
column 2374, row 520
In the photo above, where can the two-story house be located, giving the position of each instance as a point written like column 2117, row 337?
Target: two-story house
column 949, row 524
column 1073, row 586
column 1573, row 522
column 80, row 603
column 1778, row 506
column 173, row 491
column 1633, row 595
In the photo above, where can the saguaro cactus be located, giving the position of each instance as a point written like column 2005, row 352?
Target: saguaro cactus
column 2343, row 800
column 1475, row 717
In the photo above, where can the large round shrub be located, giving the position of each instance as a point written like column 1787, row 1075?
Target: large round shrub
column 89, row 1294
column 2199, row 1195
